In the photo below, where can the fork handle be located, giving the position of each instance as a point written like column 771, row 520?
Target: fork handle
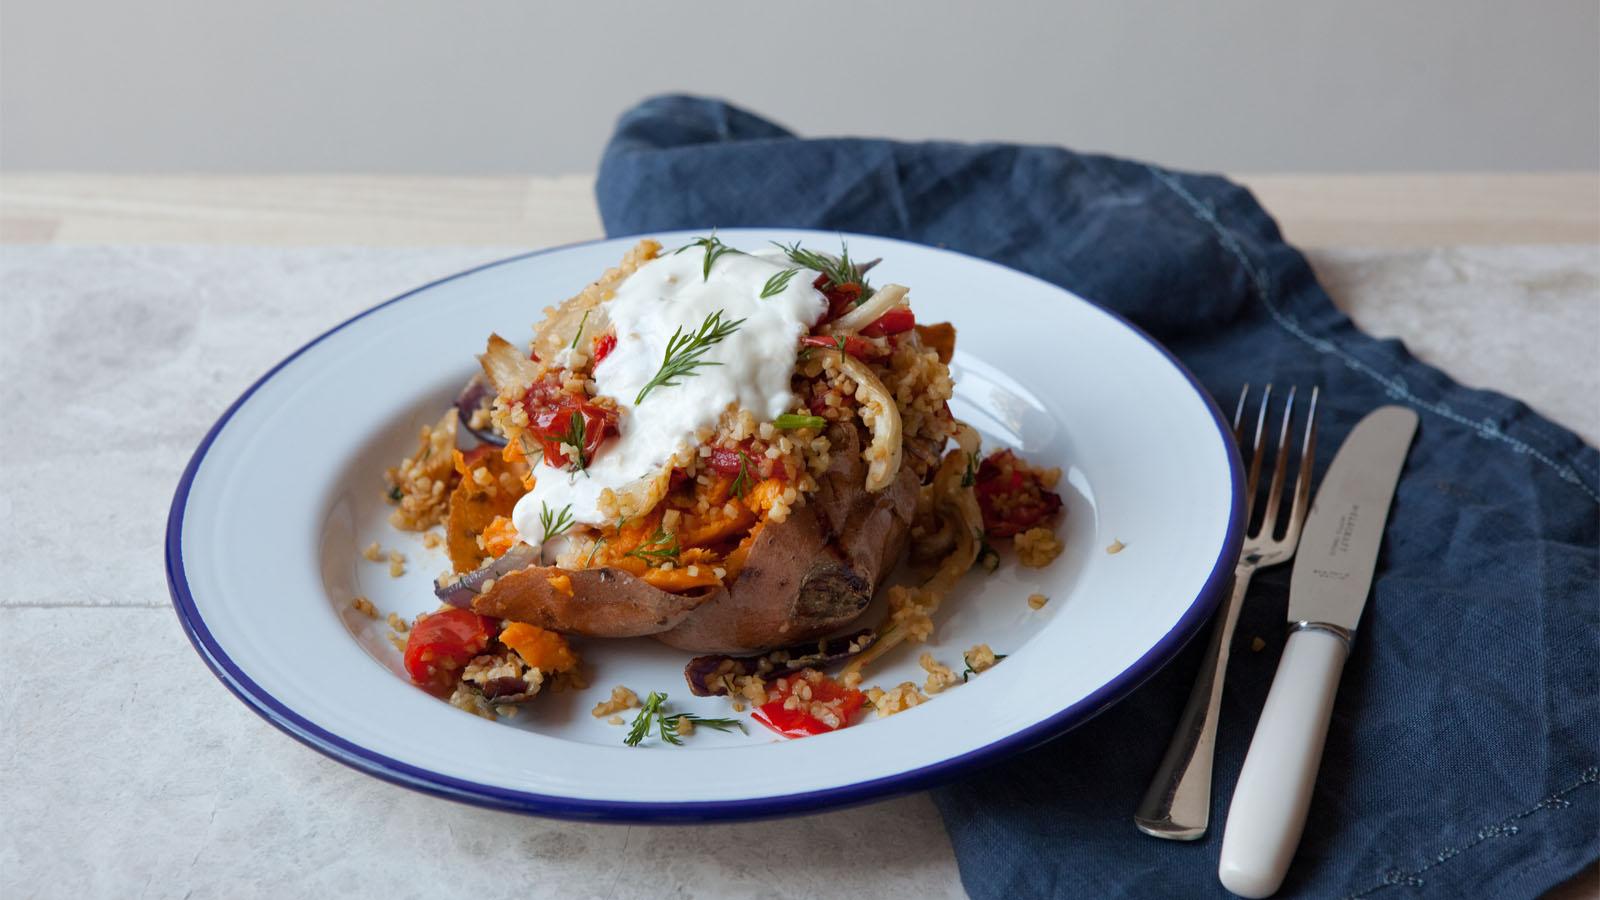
column 1177, row 805
column 1268, row 812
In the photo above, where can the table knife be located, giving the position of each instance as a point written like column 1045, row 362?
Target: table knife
column 1332, row 577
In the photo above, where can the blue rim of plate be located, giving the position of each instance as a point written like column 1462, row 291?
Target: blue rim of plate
column 494, row 797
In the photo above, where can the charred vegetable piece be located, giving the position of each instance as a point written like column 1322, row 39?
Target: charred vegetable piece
column 463, row 590
column 705, row 673
column 1012, row 496
column 440, row 645
column 475, row 396
column 809, row 703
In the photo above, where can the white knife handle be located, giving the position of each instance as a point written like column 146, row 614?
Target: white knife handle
column 1268, row 812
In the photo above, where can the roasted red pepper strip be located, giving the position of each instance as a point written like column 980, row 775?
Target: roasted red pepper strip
column 798, row 721
column 894, row 321
column 1011, row 497
column 855, row 346
column 441, row 644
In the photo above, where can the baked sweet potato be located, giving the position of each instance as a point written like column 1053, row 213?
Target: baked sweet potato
column 804, row 577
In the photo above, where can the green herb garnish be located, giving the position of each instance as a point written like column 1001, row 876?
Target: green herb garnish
column 840, row 270
column 667, row 725
column 792, row 421
column 969, row 671
column 660, row 547
column 988, row 557
column 581, row 322
column 395, row 494
column 777, row 283
column 554, row 524
column 970, row 477
column 592, row 551
column 684, row 352
column 714, row 248
column 741, row 482
column 574, row 438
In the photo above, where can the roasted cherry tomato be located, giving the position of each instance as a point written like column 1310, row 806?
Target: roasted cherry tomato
column 1011, row 497
column 726, row 461
column 555, row 416
column 894, row 321
column 603, row 345
column 798, row 720
column 440, row 645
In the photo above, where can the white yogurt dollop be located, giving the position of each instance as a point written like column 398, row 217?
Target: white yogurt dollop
column 754, row 365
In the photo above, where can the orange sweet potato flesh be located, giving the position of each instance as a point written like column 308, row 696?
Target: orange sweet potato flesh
column 473, row 509
column 798, row 579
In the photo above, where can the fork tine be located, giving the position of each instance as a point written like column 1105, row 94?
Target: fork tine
column 1238, row 414
column 1253, row 478
column 1302, row 482
column 1280, row 468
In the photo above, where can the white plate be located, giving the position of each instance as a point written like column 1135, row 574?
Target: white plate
column 266, row 529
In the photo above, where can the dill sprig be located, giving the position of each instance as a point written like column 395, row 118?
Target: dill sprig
column 777, row 283
column 554, row 524
column 659, row 547
column 741, row 482
column 577, row 433
column 969, row 671
column 840, row 270
column 667, row 726
column 581, row 322
column 685, row 351
column 970, row 477
column 714, row 248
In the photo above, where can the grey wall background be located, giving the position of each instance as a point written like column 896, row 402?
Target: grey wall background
column 498, row 87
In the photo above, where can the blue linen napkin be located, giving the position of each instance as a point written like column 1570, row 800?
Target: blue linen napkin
column 1465, row 746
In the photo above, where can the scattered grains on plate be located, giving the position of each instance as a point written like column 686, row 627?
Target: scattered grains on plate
column 364, row 606
column 373, row 553
column 397, row 563
column 398, row 642
column 939, row 674
column 1037, row 601
column 432, row 540
column 685, row 726
column 398, row 624
column 621, row 699
column 1115, row 547
column 1037, row 547
column 898, row 699
column 980, row 658
column 614, row 720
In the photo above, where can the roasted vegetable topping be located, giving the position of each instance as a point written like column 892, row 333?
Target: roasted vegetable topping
column 1013, row 495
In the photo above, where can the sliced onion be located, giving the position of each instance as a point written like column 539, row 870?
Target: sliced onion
column 705, row 673
column 462, row 590
column 472, row 398
column 886, row 298
column 883, row 454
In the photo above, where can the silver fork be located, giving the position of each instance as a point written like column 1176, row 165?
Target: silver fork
column 1177, row 805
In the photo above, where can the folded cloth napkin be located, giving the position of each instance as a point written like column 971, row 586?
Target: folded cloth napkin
column 1462, row 758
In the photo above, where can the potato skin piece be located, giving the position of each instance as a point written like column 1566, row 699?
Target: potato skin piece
column 602, row 602
column 814, row 572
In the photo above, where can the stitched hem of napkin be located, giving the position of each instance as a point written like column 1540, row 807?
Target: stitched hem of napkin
column 1393, row 385
column 1508, row 827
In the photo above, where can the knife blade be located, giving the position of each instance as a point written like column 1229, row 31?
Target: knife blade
column 1339, row 545
column 1332, row 577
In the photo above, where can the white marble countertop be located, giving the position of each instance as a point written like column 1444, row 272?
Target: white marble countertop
column 145, row 777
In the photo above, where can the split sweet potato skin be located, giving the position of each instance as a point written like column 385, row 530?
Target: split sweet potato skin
column 811, row 574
